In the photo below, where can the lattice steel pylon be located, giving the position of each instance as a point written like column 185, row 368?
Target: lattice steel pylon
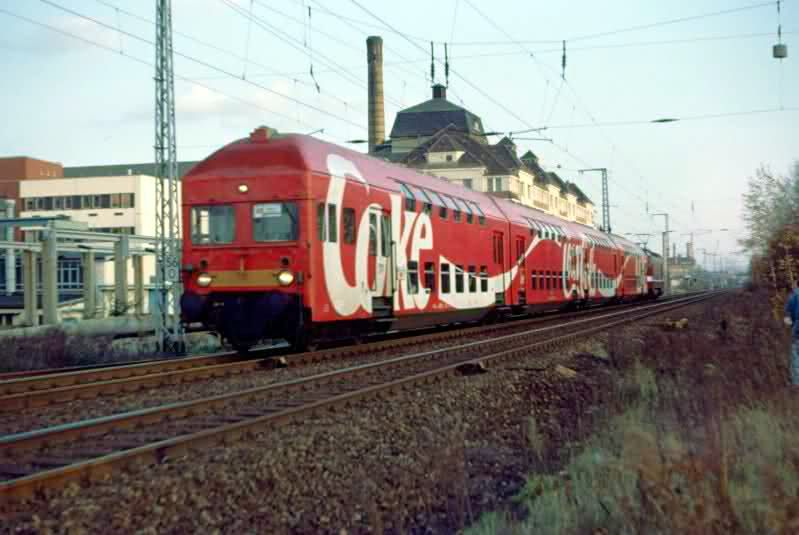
column 167, row 216
column 605, row 197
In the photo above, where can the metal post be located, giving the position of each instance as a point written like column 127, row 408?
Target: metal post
column 49, row 277
column 89, row 285
column 121, row 252
column 666, row 275
column 138, row 284
column 605, row 197
column 30, row 286
column 167, row 224
column 10, row 256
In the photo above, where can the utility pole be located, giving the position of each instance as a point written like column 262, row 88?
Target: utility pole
column 666, row 276
column 605, row 197
column 167, row 218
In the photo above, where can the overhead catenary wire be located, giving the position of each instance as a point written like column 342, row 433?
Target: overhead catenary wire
column 150, row 65
column 540, row 67
column 270, row 72
column 294, row 43
column 206, row 65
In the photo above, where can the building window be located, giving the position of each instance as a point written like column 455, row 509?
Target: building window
column 449, row 157
column 467, row 183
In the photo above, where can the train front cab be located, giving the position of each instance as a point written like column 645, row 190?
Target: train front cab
column 242, row 263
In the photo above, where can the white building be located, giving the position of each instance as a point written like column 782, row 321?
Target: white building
column 119, row 204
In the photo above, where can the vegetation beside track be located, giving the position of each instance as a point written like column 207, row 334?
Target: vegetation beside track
column 56, row 349
column 700, row 436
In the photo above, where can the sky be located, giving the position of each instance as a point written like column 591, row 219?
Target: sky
column 77, row 87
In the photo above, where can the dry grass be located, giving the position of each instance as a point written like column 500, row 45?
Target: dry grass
column 55, row 349
column 705, row 441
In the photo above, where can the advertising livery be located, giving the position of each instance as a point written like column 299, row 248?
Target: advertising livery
column 291, row 237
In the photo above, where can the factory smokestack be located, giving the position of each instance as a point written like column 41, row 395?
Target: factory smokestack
column 377, row 124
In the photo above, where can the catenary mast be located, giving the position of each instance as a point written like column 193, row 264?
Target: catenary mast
column 167, row 219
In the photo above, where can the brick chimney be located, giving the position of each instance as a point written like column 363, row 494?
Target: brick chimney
column 377, row 121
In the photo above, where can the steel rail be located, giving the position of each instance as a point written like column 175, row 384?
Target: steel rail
column 127, row 438
column 49, row 389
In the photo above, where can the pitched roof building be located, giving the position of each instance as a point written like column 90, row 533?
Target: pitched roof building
column 448, row 141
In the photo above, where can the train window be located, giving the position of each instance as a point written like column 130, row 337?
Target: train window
column 348, row 223
column 483, row 279
column 320, row 221
column 450, row 204
column 442, row 212
column 413, row 277
column 274, row 221
column 445, row 278
column 372, row 234
column 430, row 276
column 534, row 280
column 549, row 280
column 332, row 223
column 472, row 279
column 481, row 218
column 560, row 278
column 212, row 224
column 459, row 279
column 456, row 215
column 410, row 200
column 421, row 196
column 385, row 240
column 464, row 206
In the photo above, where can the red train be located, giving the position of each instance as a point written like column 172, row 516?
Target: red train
column 291, row 237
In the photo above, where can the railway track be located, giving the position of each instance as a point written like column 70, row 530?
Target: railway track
column 52, row 457
column 90, row 382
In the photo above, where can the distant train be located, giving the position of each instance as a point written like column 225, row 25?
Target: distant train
column 291, row 237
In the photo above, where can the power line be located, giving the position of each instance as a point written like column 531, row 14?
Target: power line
column 672, row 21
column 285, row 37
column 229, row 53
column 540, row 67
column 206, row 65
column 617, row 31
column 700, row 117
column 151, row 65
column 386, row 48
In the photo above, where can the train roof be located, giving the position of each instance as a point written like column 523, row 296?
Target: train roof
column 297, row 152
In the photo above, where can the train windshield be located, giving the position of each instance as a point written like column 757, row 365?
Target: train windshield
column 212, row 224
column 274, row 221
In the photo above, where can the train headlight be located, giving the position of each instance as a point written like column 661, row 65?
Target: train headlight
column 204, row 280
column 285, row 278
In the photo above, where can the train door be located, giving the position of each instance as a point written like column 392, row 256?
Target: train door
column 381, row 265
column 522, row 260
column 499, row 266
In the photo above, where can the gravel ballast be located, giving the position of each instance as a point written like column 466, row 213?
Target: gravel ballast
column 429, row 459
